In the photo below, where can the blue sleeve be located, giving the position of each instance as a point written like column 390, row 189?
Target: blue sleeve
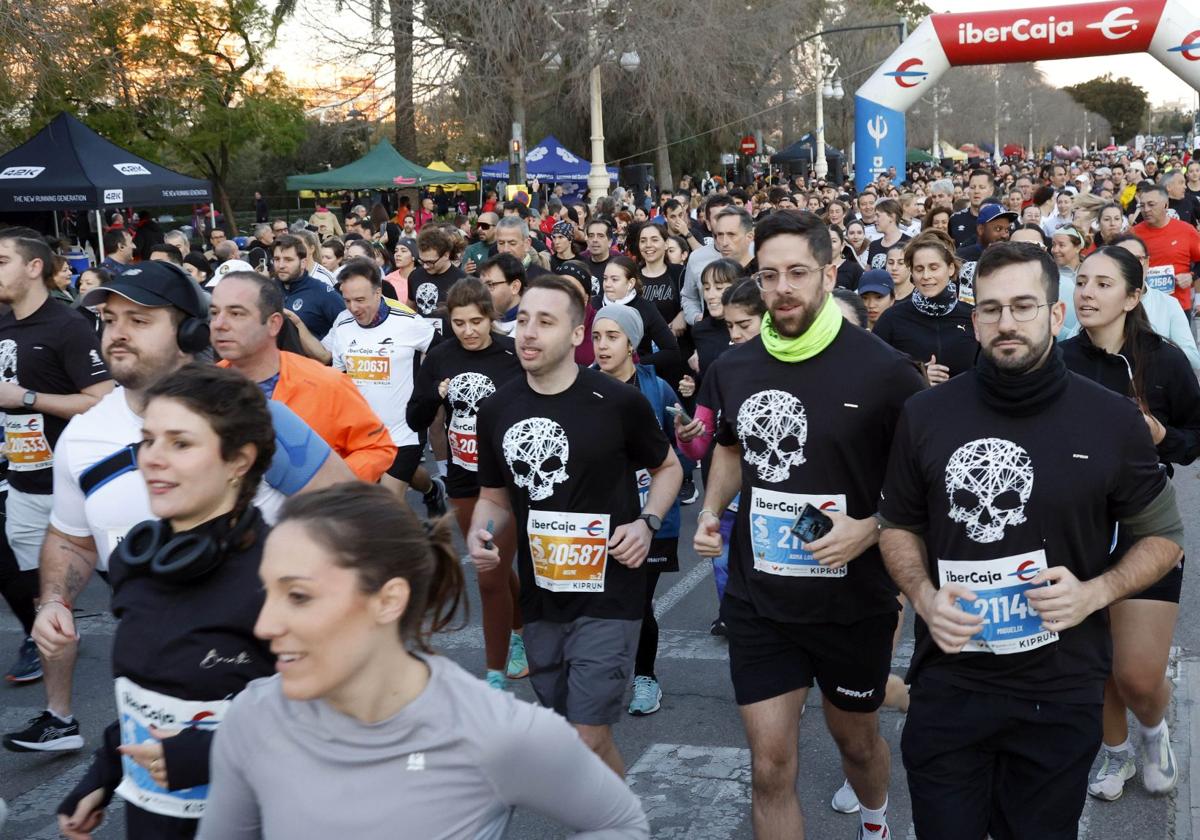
column 299, row 451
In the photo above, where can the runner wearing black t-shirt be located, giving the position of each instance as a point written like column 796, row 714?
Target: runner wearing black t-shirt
column 50, row 370
column 998, row 511
column 805, row 414
column 431, row 280
column 660, row 282
column 558, row 455
column 457, row 376
column 887, row 223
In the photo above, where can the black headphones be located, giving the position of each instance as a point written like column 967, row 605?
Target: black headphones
column 192, row 335
column 151, row 547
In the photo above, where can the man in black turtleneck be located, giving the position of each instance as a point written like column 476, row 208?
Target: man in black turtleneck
column 1003, row 488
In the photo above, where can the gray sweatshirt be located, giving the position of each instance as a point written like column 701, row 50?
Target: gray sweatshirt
column 454, row 763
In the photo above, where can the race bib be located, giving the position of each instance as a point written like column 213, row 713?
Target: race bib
column 1161, row 277
column 463, row 442
column 1011, row 625
column 643, row 485
column 776, row 549
column 137, row 710
column 569, row 550
column 25, row 443
column 369, row 368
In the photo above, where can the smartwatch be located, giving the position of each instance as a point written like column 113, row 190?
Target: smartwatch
column 29, row 399
column 652, row 521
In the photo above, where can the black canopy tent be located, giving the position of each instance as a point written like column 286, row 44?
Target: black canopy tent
column 67, row 166
column 799, row 156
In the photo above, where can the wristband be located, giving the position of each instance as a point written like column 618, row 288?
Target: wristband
column 50, row 601
column 710, row 512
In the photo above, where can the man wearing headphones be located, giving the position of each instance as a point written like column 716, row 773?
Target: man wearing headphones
column 153, row 324
column 50, row 370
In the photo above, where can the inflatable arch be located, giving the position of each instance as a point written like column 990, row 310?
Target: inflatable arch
column 1167, row 29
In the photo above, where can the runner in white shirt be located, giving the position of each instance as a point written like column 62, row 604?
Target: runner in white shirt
column 379, row 343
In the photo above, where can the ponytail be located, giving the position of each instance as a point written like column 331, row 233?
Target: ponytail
column 447, row 585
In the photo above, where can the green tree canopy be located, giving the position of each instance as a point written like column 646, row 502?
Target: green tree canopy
column 1119, row 101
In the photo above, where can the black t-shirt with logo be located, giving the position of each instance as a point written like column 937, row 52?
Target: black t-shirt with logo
column 663, row 291
column 877, row 252
column 814, row 432
column 428, row 291
column 1002, row 497
column 474, row 376
column 597, row 270
column 963, row 226
column 569, row 463
column 52, row 351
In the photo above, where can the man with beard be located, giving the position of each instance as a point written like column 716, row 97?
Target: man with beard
column 807, row 414
column 1003, row 490
column 317, row 304
column 994, row 224
column 153, row 325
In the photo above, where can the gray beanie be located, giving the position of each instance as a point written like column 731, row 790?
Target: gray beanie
column 625, row 317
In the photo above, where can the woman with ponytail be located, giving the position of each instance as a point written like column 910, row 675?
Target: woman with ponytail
column 1118, row 349
column 366, row 733
column 185, row 595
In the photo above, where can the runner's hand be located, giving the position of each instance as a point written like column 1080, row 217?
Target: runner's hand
column 469, row 267
column 692, row 430
column 1184, row 281
column 1157, row 430
column 949, row 625
column 485, row 559
column 1065, row 602
column 687, row 386
column 86, row 819
column 149, row 754
column 849, row 538
column 54, row 629
column 707, row 541
column 678, row 325
column 443, row 388
column 936, row 374
column 630, row 543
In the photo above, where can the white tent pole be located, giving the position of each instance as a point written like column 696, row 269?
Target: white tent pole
column 100, row 237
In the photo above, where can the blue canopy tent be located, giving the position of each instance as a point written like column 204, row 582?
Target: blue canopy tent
column 548, row 161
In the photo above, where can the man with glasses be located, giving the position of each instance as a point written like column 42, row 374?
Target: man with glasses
column 1173, row 246
column 484, row 246
column 435, row 273
column 1002, row 493
column 504, row 277
column 279, row 227
column 806, row 419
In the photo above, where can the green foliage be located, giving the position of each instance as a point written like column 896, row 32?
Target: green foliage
column 1119, row 101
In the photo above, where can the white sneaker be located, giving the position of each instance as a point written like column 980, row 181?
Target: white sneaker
column 1115, row 769
column 1159, row 771
column 845, row 801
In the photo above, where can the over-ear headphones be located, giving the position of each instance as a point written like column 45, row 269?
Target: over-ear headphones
column 151, row 547
column 192, row 336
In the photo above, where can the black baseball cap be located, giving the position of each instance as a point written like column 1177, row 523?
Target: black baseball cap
column 152, row 283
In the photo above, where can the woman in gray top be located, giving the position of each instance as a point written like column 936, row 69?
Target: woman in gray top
column 363, row 732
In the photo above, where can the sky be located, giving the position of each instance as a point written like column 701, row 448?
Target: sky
column 1160, row 83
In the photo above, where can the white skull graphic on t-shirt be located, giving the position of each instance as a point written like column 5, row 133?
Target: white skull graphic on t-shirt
column 467, row 391
column 8, row 360
column 772, row 427
column 879, row 261
column 537, row 450
column 988, row 482
column 426, row 298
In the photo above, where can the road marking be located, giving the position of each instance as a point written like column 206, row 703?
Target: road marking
column 676, row 593
column 42, row 801
column 693, row 792
column 1185, row 733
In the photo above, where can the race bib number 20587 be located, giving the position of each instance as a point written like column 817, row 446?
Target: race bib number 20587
column 569, row 550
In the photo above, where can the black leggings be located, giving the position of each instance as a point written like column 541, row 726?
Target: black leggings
column 18, row 588
column 647, row 651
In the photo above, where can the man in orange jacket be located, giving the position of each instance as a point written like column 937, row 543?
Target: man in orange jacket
column 247, row 315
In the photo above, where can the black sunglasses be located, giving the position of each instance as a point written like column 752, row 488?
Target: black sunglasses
column 484, row 226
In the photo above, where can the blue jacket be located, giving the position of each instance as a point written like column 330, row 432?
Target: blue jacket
column 660, row 395
column 317, row 305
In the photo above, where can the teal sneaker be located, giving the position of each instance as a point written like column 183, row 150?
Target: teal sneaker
column 518, row 665
column 497, row 680
column 647, row 696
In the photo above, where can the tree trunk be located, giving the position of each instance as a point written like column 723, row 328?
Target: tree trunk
column 220, row 194
column 401, row 17
column 662, row 154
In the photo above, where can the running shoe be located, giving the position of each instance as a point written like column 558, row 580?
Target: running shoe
column 1116, row 768
column 518, row 665
column 497, row 680
column 870, row 831
column 1159, row 771
column 28, row 667
column 845, row 801
column 688, row 494
column 718, row 628
column 45, row 733
column 647, row 696
column 435, row 498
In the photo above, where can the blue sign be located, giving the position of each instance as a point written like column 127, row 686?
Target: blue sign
column 879, row 141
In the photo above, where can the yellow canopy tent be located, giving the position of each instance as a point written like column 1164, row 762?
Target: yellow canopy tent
column 442, row 166
column 948, row 151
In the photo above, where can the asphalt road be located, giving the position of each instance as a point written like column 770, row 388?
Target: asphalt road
column 688, row 762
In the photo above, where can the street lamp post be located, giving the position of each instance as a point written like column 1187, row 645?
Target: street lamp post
column 827, row 85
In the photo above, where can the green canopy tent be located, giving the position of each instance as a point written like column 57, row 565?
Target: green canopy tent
column 919, row 156
column 382, row 168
